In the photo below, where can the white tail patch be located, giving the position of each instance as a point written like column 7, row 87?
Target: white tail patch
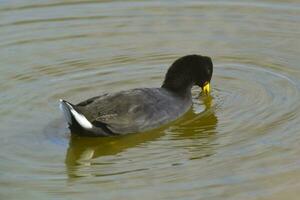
column 67, row 109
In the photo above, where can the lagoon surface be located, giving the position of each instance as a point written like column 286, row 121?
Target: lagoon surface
column 241, row 142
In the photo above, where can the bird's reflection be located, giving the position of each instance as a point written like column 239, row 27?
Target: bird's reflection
column 196, row 131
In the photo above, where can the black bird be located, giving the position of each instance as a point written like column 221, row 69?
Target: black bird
column 141, row 109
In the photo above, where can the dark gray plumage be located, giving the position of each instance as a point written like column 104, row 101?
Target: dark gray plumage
column 141, row 109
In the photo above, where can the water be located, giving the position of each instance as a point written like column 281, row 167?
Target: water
column 242, row 142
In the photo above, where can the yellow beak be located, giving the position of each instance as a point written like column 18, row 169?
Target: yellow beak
column 206, row 88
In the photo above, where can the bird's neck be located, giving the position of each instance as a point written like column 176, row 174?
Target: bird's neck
column 178, row 81
column 180, row 89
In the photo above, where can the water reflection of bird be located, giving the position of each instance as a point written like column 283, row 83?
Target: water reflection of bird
column 141, row 109
column 196, row 131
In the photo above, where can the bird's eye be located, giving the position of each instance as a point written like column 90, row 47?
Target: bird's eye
column 208, row 71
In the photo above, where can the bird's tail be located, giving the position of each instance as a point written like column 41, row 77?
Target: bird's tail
column 74, row 117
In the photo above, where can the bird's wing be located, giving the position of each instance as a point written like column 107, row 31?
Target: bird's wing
column 131, row 111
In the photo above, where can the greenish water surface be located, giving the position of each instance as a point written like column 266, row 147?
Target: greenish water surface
column 242, row 142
